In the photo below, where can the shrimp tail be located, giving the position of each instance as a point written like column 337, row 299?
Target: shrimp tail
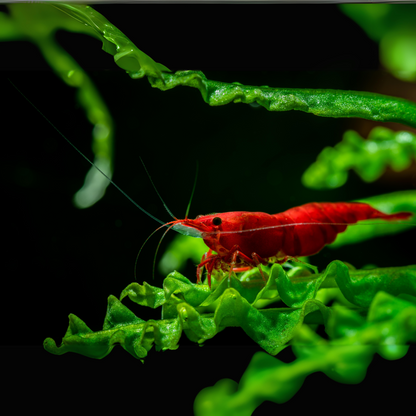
column 322, row 222
column 398, row 216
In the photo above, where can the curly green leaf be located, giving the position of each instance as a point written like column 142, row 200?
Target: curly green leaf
column 126, row 55
column 345, row 358
column 368, row 158
column 38, row 24
column 392, row 25
column 323, row 103
column 201, row 314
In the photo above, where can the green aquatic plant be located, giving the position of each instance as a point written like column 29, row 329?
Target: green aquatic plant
column 353, row 340
column 393, row 26
column 201, row 313
column 368, row 158
column 324, row 103
column 22, row 25
column 376, row 307
column 38, row 24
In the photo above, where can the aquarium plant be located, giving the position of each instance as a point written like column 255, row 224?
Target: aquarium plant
column 374, row 309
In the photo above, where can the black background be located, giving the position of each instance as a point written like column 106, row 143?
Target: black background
column 60, row 260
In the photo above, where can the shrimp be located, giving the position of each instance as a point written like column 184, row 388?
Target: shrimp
column 243, row 240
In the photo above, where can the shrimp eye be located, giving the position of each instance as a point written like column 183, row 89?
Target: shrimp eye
column 217, row 221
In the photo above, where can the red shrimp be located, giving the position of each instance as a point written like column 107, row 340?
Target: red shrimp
column 243, row 240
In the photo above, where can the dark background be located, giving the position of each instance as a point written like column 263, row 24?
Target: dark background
column 60, row 260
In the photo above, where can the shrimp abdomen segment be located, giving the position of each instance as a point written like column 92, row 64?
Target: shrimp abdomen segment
column 305, row 238
column 253, row 232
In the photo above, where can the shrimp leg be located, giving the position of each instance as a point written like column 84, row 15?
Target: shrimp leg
column 200, row 267
column 255, row 261
column 238, row 253
column 208, row 260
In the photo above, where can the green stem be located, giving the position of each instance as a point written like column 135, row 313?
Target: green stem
column 323, row 103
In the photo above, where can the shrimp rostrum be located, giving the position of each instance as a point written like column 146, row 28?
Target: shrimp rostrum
column 243, row 240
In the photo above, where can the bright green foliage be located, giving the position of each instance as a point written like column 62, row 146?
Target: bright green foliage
column 360, row 286
column 323, row 103
column 354, row 339
column 380, row 312
column 202, row 313
column 387, row 203
column 392, row 25
column 126, row 55
column 368, row 158
column 38, row 23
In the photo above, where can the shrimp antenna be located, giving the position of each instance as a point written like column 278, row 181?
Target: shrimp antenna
column 85, row 157
column 157, row 249
column 193, row 190
column 138, row 254
column 163, row 202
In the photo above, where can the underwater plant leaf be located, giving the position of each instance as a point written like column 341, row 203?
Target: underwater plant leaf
column 361, row 286
column 389, row 321
column 387, row 203
column 38, row 24
column 268, row 378
column 295, row 290
column 368, row 158
column 269, row 292
column 271, row 328
column 126, row 55
column 119, row 315
column 122, row 327
column 202, row 313
column 80, row 339
column 197, row 327
column 175, row 284
column 145, row 295
column 402, row 308
column 393, row 27
column 344, row 358
column 250, row 290
column 323, row 103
